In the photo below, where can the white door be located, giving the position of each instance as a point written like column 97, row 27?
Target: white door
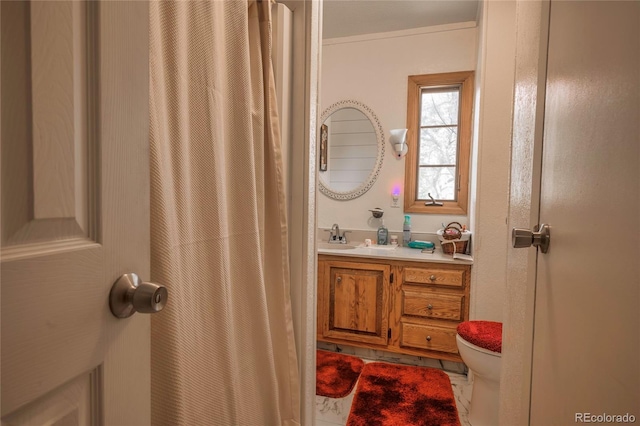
column 75, row 211
column 586, row 350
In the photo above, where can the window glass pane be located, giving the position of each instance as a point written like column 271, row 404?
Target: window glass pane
column 439, row 181
column 439, row 107
column 438, row 146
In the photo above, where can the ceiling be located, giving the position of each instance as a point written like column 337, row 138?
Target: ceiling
column 343, row 18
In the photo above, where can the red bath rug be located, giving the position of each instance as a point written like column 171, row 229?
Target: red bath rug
column 336, row 374
column 403, row 395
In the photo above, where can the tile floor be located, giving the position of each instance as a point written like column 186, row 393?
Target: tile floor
column 332, row 411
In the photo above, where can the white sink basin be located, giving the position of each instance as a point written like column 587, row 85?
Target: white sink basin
column 377, row 247
column 336, row 246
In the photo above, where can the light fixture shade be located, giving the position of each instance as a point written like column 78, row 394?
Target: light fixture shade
column 398, row 139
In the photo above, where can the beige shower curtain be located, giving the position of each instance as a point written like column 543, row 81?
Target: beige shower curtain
column 223, row 349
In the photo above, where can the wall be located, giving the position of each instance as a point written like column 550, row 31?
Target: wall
column 374, row 70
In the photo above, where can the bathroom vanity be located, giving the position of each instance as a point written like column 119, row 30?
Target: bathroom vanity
column 400, row 300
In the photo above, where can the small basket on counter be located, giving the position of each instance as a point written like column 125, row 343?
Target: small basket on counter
column 454, row 239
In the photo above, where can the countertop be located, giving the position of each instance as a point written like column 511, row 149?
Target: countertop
column 399, row 253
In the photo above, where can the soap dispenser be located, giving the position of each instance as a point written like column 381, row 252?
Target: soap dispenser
column 406, row 231
column 383, row 234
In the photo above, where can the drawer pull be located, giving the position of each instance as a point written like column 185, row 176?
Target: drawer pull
column 432, row 277
column 428, row 338
column 339, row 279
column 429, row 306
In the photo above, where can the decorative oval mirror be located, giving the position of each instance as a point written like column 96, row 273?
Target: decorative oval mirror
column 351, row 150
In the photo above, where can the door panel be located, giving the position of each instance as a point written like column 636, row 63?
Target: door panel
column 75, row 210
column 49, row 210
column 49, row 160
column 586, row 340
column 51, row 305
column 356, row 301
column 71, row 404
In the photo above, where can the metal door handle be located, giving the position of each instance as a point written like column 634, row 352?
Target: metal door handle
column 540, row 237
column 130, row 295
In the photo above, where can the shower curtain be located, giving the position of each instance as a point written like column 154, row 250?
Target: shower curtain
column 223, row 349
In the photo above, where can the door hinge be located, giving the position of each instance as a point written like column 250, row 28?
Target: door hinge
column 389, row 334
column 391, row 279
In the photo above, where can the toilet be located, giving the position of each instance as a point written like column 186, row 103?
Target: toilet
column 480, row 346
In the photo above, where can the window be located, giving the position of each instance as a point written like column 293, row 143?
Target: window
column 439, row 110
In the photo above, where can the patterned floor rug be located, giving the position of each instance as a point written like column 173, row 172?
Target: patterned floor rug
column 336, row 374
column 403, row 395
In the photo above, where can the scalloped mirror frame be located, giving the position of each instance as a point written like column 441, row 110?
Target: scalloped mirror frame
column 377, row 127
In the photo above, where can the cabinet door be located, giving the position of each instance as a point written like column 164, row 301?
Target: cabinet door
column 355, row 304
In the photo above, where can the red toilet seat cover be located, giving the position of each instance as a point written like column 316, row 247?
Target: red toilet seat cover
column 486, row 334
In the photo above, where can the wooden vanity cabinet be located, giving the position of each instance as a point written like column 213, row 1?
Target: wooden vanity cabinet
column 398, row 306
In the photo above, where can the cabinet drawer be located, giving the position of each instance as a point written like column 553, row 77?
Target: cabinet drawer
column 428, row 337
column 447, row 277
column 432, row 305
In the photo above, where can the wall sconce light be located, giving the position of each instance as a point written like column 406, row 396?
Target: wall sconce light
column 398, row 139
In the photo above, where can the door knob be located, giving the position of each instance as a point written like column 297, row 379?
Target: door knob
column 130, row 295
column 540, row 237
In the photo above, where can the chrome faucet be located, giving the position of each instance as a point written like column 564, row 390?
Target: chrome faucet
column 335, row 231
column 335, row 237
